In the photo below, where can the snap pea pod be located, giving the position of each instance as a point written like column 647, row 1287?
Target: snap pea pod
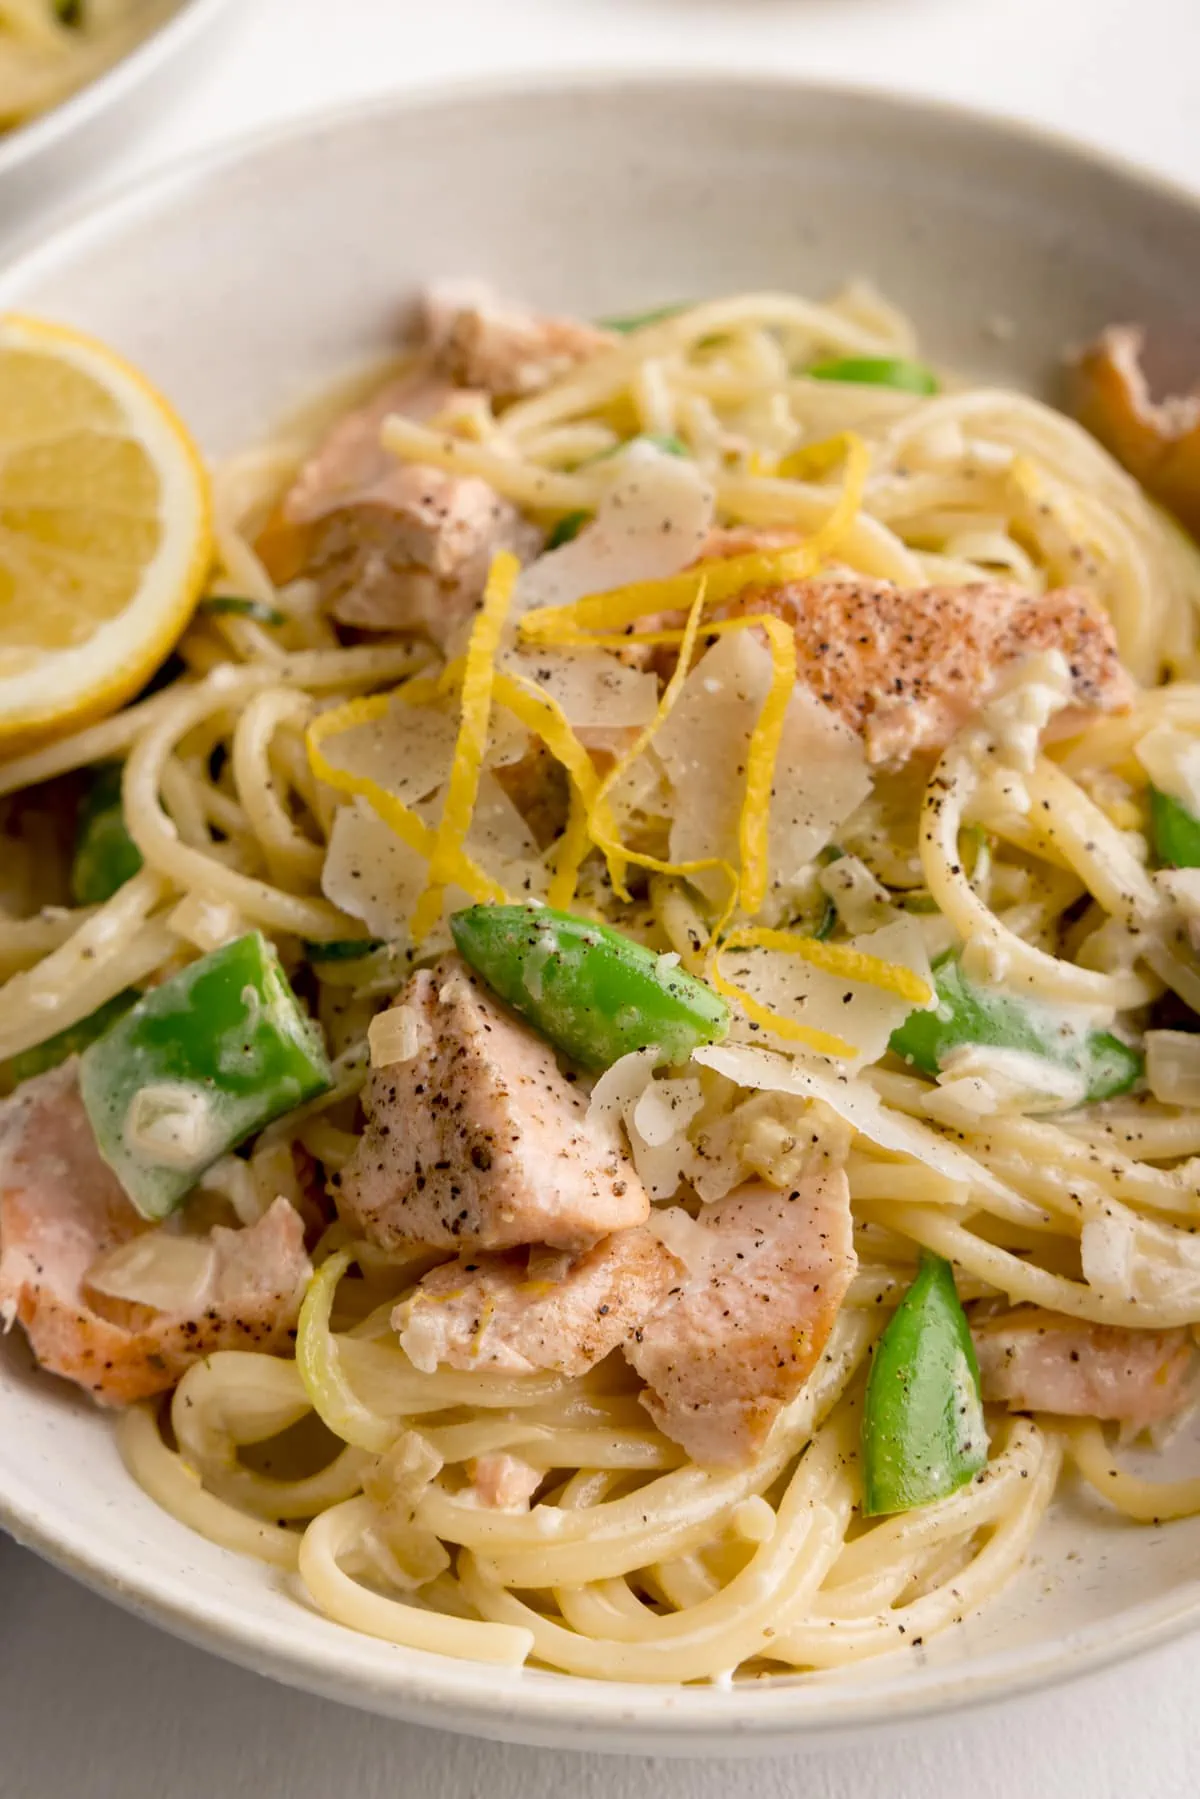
column 923, row 1433
column 342, row 949
column 233, row 605
column 70, row 1042
column 966, row 1014
column 105, row 854
column 567, row 529
column 878, row 371
column 197, row 1065
column 634, row 321
column 1175, row 831
column 594, row 993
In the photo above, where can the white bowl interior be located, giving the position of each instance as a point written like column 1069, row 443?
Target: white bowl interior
column 247, row 280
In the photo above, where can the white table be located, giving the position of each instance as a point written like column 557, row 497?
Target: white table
column 96, row 1706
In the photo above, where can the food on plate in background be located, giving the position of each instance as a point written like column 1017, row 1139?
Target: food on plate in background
column 51, row 48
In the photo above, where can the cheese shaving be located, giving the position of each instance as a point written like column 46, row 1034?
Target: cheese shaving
column 412, row 830
column 839, row 959
column 478, row 680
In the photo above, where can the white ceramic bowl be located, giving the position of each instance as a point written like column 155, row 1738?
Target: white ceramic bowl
column 40, row 157
column 243, row 281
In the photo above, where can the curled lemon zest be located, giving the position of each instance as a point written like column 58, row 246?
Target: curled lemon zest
column 533, row 707
column 407, row 825
column 811, row 461
column 754, row 823
column 602, row 826
column 722, row 579
column 462, row 789
column 823, row 1042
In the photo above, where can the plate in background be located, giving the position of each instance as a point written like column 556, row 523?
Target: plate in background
column 39, row 158
column 246, row 279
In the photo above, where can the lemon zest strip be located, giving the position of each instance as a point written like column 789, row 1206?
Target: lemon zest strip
column 754, row 823
column 838, row 959
column 407, row 825
column 462, row 789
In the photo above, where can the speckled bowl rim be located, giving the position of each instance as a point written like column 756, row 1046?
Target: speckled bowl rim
column 533, row 1706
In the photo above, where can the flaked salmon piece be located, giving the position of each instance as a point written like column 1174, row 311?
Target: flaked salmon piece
column 1158, row 441
column 482, row 341
column 504, row 1483
column 1036, row 1361
column 739, row 1336
column 62, row 1208
column 517, row 1314
column 478, row 1141
column 393, row 546
column 907, row 667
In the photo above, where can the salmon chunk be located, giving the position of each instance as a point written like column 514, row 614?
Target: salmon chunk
column 482, row 341
column 1036, row 1361
column 478, row 1141
column 1158, row 441
column 738, row 1338
column 906, row 667
column 518, row 1314
column 62, row 1207
column 393, row 546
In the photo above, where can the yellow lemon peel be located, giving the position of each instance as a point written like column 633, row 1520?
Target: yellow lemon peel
column 462, row 789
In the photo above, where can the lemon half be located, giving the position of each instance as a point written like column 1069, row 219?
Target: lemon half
column 105, row 530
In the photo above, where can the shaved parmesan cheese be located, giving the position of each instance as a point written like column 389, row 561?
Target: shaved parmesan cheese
column 652, row 522
column 374, row 877
column 369, row 873
column 863, row 1014
column 594, row 690
column 821, row 768
column 862, row 903
column 410, row 749
column 159, row 1269
column 857, row 1104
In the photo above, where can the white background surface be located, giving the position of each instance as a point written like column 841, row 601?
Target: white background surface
column 96, row 1706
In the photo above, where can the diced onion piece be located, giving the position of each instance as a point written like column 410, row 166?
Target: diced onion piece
column 688, row 1241
column 394, row 1036
column 652, row 522
column 171, row 1123
column 206, row 923
column 1173, row 1067
column 160, row 1269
